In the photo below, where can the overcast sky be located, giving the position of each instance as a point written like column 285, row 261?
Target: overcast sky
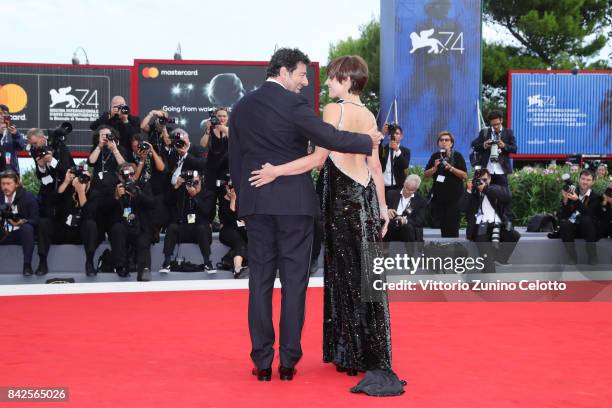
column 118, row 31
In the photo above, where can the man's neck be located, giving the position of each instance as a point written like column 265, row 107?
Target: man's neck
column 276, row 79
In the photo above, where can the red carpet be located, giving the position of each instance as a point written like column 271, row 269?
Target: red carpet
column 187, row 349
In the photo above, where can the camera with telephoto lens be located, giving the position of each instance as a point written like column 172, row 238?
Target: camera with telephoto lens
column 495, row 233
column 213, row 119
column 143, row 146
column 80, row 172
column 190, row 177
column 494, row 157
column 476, row 181
column 58, row 135
column 123, row 109
column 162, row 120
column 568, row 184
column 391, row 128
column 177, row 142
column 225, row 180
column 38, row 153
column 6, row 212
column 443, row 161
column 131, row 187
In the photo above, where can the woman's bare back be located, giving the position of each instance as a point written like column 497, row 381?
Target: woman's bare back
column 356, row 118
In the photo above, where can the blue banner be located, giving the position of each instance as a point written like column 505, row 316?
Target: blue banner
column 430, row 65
column 562, row 113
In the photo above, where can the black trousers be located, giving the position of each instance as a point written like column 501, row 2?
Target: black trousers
column 403, row 233
column 236, row 239
column 282, row 242
column 317, row 243
column 508, row 241
column 58, row 233
column 448, row 215
column 122, row 238
column 585, row 228
column 193, row 233
column 24, row 236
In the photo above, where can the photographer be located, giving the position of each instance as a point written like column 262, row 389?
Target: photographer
column 128, row 208
column 447, row 168
column 407, row 212
column 74, row 222
column 52, row 162
column 395, row 159
column 233, row 232
column 488, row 215
column 184, row 156
column 215, row 138
column 189, row 217
column 18, row 217
column 120, row 119
column 105, row 158
column 578, row 216
column 155, row 125
column 11, row 140
column 493, row 147
column 605, row 213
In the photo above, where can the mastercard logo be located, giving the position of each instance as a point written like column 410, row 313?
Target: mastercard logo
column 14, row 97
column 150, row 72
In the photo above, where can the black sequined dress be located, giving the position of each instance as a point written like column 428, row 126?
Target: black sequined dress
column 356, row 333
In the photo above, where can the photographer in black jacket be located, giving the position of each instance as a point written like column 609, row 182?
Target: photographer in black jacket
column 18, row 216
column 394, row 159
column 233, row 232
column 488, row 216
column 74, row 222
column 407, row 210
column 605, row 213
column 493, row 147
column 447, row 168
column 52, row 161
column 128, row 209
column 189, row 216
column 120, row 119
column 215, row 139
column 578, row 216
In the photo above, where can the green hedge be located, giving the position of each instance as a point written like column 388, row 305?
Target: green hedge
column 534, row 190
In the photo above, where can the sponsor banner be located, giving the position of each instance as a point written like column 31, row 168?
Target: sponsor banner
column 562, row 113
column 45, row 96
column 189, row 91
column 430, row 66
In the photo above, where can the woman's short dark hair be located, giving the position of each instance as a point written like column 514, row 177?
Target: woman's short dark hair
column 137, row 136
column 350, row 66
column 285, row 57
column 446, row 133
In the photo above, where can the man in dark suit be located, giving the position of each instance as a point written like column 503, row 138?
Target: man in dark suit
column 487, row 209
column 491, row 142
column 579, row 217
column 406, row 212
column 273, row 124
column 394, row 160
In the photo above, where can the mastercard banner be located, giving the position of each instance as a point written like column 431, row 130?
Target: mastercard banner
column 47, row 95
column 190, row 90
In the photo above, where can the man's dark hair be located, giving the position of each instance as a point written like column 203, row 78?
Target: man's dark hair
column 484, row 172
column 587, row 172
column 285, row 57
column 11, row 174
column 494, row 115
column 4, row 108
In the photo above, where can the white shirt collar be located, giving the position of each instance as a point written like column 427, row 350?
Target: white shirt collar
column 12, row 198
column 587, row 194
column 274, row 80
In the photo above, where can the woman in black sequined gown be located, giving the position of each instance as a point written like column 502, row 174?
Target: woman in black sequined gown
column 356, row 332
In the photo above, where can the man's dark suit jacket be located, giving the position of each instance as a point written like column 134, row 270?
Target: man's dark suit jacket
column 507, row 136
column 399, row 164
column 273, row 125
column 418, row 204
